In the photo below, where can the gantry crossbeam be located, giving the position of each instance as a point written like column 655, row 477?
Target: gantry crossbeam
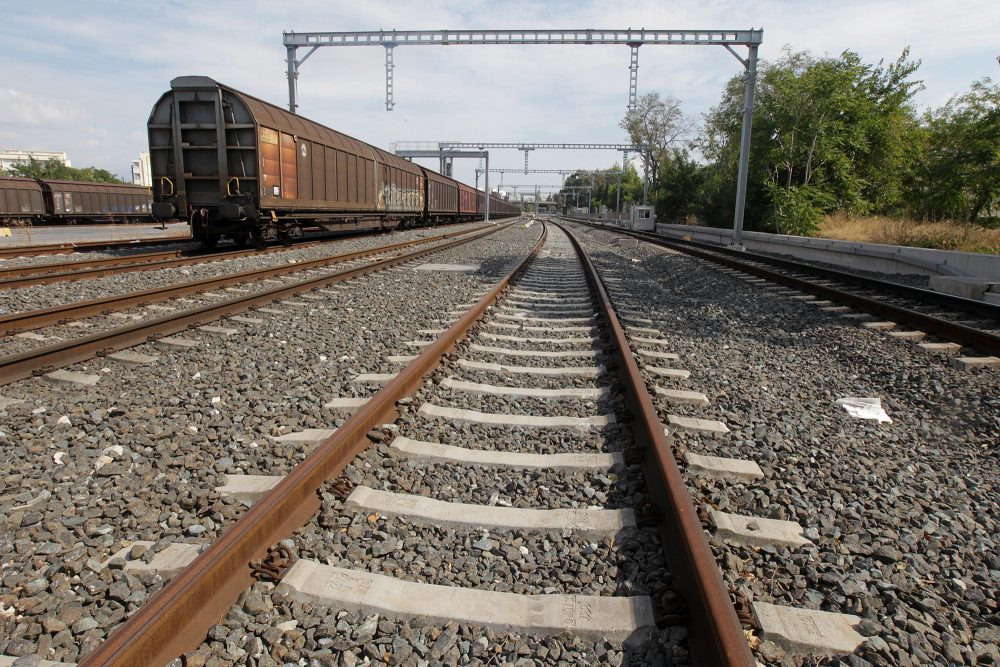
column 446, row 150
column 403, row 148
column 390, row 39
column 586, row 36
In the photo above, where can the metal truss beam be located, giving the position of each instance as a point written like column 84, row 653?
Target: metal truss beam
column 586, row 36
column 390, row 66
column 547, row 187
column 531, row 146
column 533, row 171
column 390, row 39
column 445, row 150
column 633, row 75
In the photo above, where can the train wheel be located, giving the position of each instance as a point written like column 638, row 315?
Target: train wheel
column 210, row 241
column 242, row 240
column 258, row 240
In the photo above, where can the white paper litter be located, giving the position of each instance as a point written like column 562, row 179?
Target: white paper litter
column 864, row 408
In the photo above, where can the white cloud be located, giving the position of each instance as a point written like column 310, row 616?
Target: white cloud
column 23, row 110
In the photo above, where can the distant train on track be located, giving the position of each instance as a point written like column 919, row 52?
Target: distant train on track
column 236, row 166
column 35, row 201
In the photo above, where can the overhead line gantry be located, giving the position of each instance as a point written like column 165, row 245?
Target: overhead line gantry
column 390, row 39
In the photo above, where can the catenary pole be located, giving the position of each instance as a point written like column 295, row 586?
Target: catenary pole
column 741, row 179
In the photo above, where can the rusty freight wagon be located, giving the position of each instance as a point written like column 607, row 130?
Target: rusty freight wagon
column 442, row 198
column 71, row 202
column 237, row 166
column 467, row 202
column 498, row 207
column 21, row 201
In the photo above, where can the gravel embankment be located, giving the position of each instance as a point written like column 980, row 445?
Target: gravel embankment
column 139, row 455
column 13, row 262
column 903, row 516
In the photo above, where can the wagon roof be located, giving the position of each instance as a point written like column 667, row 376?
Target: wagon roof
column 18, row 183
column 87, row 186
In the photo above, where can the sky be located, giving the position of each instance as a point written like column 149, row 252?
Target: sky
column 81, row 77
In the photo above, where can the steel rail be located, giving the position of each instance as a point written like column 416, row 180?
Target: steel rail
column 958, row 303
column 61, row 267
column 27, row 276
column 33, row 319
column 25, row 364
column 716, row 635
column 983, row 341
column 177, row 618
column 85, row 246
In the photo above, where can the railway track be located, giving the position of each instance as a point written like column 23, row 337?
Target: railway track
column 876, row 304
column 28, row 320
column 803, row 497
column 534, row 450
column 46, row 357
column 85, row 246
column 19, row 277
column 532, row 464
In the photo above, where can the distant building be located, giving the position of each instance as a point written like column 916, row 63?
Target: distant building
column 10, row 158
column 140, row 171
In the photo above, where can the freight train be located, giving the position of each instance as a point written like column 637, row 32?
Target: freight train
column 238, row 167
column 32, row 201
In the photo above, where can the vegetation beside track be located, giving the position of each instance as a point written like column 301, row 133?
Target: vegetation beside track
column 964, row 237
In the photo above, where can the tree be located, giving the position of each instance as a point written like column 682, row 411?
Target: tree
column 655, row 124
column 605, row 186
column 54, row 169
column 682, row 182
column 957, row 172
column 828, row 133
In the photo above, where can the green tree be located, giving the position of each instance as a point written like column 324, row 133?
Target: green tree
column 681, row 188
column 605, row 187
column 957, row 165
column 54, row 169
column 828, row 133
column 655, row 124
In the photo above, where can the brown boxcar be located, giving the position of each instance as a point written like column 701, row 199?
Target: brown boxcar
column 401, row 186
column 467, row 201
column 21, row 200
column 442, row 197
column 78, row 201
column 498, row 207
column 235, row 165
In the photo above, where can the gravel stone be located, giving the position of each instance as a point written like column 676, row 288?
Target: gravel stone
column 903, row 515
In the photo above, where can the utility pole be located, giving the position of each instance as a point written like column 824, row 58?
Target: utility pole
column 486, row 218
column 618, row 201
column 741, row 180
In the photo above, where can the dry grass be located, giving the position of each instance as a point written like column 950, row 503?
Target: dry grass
column 901, row 231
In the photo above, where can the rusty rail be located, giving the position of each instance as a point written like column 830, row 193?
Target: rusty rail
column 25, row 276
column 716, row 637
column 9, row 276
column 33, row 319
column 25, row 364
column 177, row 618
column 84, row 246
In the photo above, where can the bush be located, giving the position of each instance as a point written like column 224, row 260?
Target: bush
column 797, row 210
